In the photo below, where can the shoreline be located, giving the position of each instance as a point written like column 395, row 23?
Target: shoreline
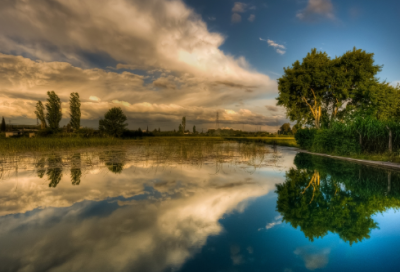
column 391, row 165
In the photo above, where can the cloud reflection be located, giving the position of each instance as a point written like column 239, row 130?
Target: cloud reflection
column 138, row 220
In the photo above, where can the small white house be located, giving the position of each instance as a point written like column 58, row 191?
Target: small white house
column 11, row 134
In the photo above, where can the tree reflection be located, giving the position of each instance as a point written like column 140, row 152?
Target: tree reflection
column 324, row 195
column 76, row 171
column 54, row 171
column 114, row 160
column 40, row 167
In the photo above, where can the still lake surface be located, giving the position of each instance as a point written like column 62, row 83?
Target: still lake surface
column 196, row 207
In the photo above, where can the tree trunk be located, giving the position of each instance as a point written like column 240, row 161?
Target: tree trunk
column 390, row 140
column 360, row 139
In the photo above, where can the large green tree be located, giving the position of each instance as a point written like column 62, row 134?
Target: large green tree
column 75, row 111
column 114, row 122
column 40, row 114
column 320, row 86
column 53, row 107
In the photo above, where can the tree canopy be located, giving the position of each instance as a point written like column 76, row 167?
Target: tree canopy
column 75, row 111
column 319, row 88
column 113, row 123
column 53, row 107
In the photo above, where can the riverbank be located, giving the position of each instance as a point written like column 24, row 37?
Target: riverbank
column 281, row 141
column 385, row 164
column 390, row 160
column 44, row 144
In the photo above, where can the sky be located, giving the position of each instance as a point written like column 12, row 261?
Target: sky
column 160, row 60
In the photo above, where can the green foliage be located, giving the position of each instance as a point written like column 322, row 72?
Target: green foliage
column 316, row 90
column 194, row 129
column 324, row 195
column 305, row 137
column 113, row 123
column 3, row 125
column 40, row 114
column 75, row 111
column 334, row 141
column 53, row 114
column 285, row 129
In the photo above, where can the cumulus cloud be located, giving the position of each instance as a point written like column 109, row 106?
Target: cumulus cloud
column 277, row 221
column 277, row 46
column 166, row 39
column 236, row 18
column 239, row 7
column 24, row 81
column 251, row 18
column 313, row 259
column 316, row 9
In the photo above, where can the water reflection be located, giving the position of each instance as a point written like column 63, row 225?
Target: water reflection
column 186, row 207
column 322, row 195
column 148, row 217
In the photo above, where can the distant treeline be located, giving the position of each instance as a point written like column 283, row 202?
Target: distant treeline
column 114, row 123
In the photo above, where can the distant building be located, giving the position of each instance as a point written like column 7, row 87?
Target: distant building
column 12, row 134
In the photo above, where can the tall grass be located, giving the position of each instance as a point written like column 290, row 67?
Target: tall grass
column 281, row 141
column 12, row 145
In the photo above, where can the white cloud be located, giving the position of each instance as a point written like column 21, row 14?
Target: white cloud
column 236, row 18
column 156, row 36
column 280, row 51
column 239, row 7
column 174, row 227
column 277, row 46
column 274, row 44
column 313, row 259
column 316, row 9
column 94, row 98
column 277, row 221
column 252, row 17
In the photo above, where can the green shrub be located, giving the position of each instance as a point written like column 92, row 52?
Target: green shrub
column 338, row 142
column 305, row 137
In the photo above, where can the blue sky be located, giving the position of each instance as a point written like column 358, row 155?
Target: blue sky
column 161, row 60
column 370, row 25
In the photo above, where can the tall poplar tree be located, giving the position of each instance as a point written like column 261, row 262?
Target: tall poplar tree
column 53, row 107
column 3, row 125
column 75, row 111
column 40, row 114
column 184, row 124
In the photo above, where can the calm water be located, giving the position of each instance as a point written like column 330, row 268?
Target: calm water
column 211, row 207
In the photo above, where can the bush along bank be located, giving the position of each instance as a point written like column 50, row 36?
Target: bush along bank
column 363, row 136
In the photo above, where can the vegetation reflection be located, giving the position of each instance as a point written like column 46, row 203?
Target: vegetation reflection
column 323, row 195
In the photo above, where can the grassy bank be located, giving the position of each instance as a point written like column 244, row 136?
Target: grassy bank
column 11, row 145
column 282, row 141
column 43, row 144
column 384, row 157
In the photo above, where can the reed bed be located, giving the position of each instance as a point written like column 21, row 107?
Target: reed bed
column 281, row 141
column 13, row 145
column 152, row 152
